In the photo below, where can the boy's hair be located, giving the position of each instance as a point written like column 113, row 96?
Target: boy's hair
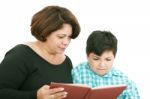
column 52, row 18
column 100, row 41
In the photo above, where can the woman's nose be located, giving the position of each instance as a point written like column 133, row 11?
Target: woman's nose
column 66, row 41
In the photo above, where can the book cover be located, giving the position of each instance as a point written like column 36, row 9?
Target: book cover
column 80, row 91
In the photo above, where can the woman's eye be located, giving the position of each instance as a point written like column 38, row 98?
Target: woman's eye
column 60, row 36
column 95, row 58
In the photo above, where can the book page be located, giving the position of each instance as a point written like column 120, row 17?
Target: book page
column 74, row 91
column 109, row 86
column 81, row 85
column 107, row 92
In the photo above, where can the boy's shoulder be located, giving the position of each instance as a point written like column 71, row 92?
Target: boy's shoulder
column 81, row 65
column 118, row 72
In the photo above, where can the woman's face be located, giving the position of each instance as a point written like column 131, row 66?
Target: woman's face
column 101, row 64
column 59, row 40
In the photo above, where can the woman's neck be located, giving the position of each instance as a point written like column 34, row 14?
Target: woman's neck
column 42, row 50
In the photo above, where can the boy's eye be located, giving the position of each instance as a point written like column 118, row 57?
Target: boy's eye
column 108, row 59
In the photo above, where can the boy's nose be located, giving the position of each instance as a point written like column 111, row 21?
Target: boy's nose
column 102, row 64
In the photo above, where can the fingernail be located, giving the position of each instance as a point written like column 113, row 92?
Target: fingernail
column 66, row 93
column 62, row 89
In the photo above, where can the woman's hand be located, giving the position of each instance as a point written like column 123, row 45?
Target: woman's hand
column 46, row 93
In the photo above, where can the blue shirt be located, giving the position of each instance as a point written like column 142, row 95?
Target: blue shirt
column 82, row 74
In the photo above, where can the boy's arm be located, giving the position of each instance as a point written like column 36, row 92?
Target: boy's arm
column 132, row 91
column 76, row 76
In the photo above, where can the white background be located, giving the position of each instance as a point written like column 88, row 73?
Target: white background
column 129, row 20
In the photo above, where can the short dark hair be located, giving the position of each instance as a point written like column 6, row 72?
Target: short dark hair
column 100, row 41
column 52, row 18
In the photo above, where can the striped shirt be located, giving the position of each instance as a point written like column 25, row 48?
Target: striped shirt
column 84, row 75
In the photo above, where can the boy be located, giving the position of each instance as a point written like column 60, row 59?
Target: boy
column 98, row 71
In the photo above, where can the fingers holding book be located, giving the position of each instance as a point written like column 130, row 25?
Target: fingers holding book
column 46, row 92
column 57, row 93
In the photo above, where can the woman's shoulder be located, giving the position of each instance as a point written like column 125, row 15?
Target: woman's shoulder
column 17, row 47
column 17, row 50
column 68, row 60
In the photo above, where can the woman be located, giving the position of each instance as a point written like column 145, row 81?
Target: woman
column 27, row 69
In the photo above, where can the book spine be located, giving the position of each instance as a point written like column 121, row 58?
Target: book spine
column 87, row 95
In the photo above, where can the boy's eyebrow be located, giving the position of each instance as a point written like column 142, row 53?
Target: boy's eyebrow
column 109, row 57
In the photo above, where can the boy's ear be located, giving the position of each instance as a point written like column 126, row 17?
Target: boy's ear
column 87, row 55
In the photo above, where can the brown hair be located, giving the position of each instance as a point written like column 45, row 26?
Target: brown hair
column 52, row 18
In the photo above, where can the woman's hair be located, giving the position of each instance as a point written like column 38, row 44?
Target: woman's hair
column 100, row 41
column 52, row 18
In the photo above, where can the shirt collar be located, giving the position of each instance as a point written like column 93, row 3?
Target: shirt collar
column 112, row 72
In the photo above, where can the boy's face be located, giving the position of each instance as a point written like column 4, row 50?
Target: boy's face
column 101, row 64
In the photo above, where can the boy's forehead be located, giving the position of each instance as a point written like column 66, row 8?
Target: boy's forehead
column 108, row 53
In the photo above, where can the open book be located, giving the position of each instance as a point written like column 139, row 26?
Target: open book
column 78, row 91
